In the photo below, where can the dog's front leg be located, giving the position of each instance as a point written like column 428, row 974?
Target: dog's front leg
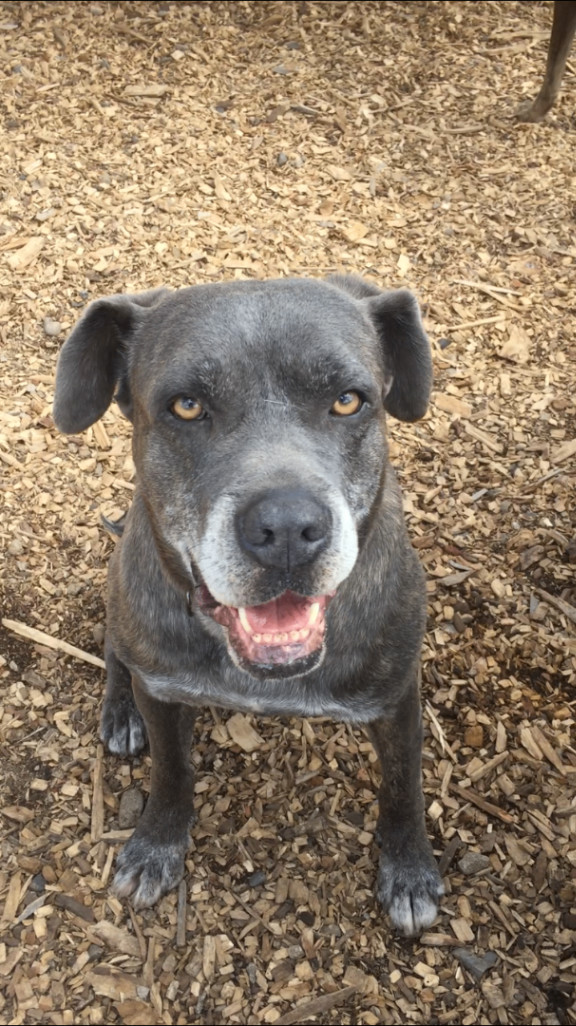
column 121, row 725
column 409, row 884
column 152, row 862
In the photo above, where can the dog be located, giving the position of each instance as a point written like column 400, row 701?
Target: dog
column 561, row 37
column 264, row 564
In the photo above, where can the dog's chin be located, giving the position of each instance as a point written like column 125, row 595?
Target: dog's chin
column 277, row 671
column 278, row 639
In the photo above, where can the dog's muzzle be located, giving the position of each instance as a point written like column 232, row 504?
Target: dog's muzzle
column 282, row 531
column 267, row 572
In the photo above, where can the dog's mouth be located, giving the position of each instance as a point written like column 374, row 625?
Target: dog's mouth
column 280, row 638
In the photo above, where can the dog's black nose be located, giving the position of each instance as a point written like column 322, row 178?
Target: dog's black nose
column 284, row 528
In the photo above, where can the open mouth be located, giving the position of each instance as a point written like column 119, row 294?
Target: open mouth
column 284, row 637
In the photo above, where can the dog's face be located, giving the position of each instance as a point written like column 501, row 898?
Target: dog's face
column 259, row 439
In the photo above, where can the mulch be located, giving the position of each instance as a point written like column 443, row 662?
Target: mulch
column 149, row 143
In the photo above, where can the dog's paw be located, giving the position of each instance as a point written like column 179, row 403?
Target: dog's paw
column 148, row 869
column 122, row 727
column 410, row 890
column 530, row 112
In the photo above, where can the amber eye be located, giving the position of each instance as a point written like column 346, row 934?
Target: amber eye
column 186, row 408
column 347, row 404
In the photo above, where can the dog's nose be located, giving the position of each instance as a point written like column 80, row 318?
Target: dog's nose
column 284, row 528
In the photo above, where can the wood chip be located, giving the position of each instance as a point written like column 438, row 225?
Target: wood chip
column 565, row 451
column 565, row 607
column 489, row 807
column 12, row 898
column 41, row 638
column 137, row 1013
column 484, row 437
column 517, row 346
column 27, row 255
column 451, row 404
column 462, row 930
column 546, row 748
column 354, row 231
column 316, row 1007
column 77, row 908
column 116, row 938
column 113, row 985
column 97, row 820
column 152, row 89
column 243, row 734
column 182, row 906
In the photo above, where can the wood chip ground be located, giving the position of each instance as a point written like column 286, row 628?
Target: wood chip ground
column 147, row 143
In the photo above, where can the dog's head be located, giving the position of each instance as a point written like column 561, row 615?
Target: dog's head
column 259, row 439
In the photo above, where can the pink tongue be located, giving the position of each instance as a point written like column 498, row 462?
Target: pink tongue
column 289, row 612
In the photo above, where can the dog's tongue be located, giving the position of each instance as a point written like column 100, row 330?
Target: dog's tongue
column 287, row 613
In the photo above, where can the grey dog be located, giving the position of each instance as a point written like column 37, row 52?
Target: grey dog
column 265, row 563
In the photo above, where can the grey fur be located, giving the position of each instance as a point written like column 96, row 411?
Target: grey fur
column 267, row 360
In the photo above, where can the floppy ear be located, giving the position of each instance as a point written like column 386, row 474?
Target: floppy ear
column 405, row 350
column 92, row 361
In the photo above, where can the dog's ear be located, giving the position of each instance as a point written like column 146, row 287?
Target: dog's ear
column 405, row 350
column 93, row 358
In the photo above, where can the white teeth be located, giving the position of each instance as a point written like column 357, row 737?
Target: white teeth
column 242, row 616
column 314, row 614
column 282, row 638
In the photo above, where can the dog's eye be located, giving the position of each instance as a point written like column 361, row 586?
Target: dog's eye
column 186, row 408
column 347, row 404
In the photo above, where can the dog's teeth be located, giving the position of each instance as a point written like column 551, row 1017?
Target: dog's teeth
column 242, row 616
column 258, row 638
column 283, row 638
column 314, row 614
column 268, row 638
column 295, row 635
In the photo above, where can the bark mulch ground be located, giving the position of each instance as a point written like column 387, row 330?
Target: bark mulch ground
column 147, row 143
